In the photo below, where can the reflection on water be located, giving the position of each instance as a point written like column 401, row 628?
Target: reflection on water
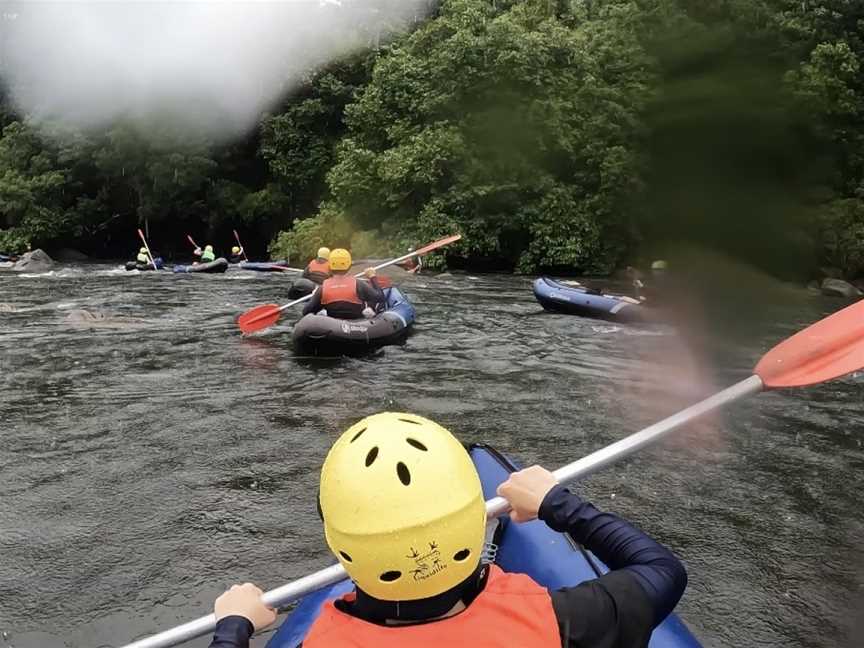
column 148, row 464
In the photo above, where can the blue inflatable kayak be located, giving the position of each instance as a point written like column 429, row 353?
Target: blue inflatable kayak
column 323, row 335
column 579, row 300
column 263, row 266
column 552, row 559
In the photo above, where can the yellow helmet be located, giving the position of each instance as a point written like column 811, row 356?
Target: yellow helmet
column 323, row 253
column 340, row 259
column 143, row 250
column 235, row 249
column 208, row 248
column 402, row 506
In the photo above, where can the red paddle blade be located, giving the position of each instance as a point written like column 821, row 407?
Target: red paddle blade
column 385, row 282
column 259, row 318
column 830, row 348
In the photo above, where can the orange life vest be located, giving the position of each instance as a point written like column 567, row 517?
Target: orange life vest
column 512, row 610
column 340, row 288
column 322, row 267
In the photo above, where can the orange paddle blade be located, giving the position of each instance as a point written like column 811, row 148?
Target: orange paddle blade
column 437, row 244
column 830, row 348
column 259, row 318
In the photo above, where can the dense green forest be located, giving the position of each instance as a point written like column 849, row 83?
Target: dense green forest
column 556, row 134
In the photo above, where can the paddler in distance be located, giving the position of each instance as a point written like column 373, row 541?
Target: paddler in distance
column 142, row 259
column 344, row 296
column 413, row 542
column 207, row 255
column 413, row 265
column 652, row 293
column 236, row 254
column 318, row 269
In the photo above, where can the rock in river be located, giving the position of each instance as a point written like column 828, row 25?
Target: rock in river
column 35, row 261
column 839, row 288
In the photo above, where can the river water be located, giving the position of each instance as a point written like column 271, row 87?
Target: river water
column 150, row 460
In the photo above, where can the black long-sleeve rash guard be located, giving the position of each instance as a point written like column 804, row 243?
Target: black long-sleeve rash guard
column 616, row 610
column 621, row 608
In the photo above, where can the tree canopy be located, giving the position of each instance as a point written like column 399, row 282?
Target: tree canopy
column 553, row 134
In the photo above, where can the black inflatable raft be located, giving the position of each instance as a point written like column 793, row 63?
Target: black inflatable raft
column 301, row 287
column 144, row 267
column 218, row 265
column 322, row 335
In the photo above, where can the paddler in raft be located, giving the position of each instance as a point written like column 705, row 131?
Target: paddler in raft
column 412, row 265
column 236, row 255
column 412, row 541
column 344, row 296
column 141, row 259
column 207, row 255
column 318, row 269
column 652, row 293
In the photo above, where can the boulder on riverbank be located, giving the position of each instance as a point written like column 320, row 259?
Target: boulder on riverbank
column 839, row 288
column 68, row 255
column 35, row 261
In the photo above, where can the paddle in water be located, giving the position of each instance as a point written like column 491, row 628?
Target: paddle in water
column 831, row 348
column 242, row 249
column 147, row 247
column 267, row 315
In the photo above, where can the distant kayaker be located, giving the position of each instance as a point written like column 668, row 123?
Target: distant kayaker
column 413, row 265
column 207, row 255
column 236, row 254
column 403, row 511
column 342, row 295
column 318, row 268
column 652, row 292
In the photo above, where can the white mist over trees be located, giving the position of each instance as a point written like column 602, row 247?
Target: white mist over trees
column 214, row 65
